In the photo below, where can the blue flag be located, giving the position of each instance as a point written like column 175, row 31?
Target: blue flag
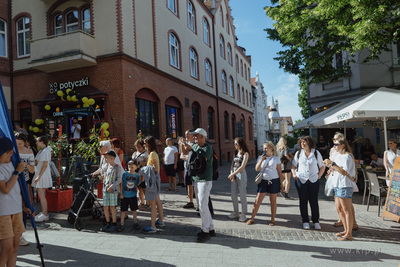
column 7, row 130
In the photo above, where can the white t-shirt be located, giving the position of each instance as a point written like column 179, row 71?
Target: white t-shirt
column 10, row 203
column 169, row 155
column 346, row 162
column 379, row 162
column 308, row 166
column 270, row 171
column 75, row 133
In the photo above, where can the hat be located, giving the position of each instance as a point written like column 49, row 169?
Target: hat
column 5, row 145
column 111, row 153
column 200, row 131
column 132, row 162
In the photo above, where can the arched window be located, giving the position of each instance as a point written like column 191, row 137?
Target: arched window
column 226, row 125
column 229, row 52
column 210, row 117
column 173, row 50
column 247, row 98
column 238, row 92
column 231, row 86
column 241, row 67
column 248, row 72
column 193, row 64
column 243, row 99
column 221, row 17
column 245, row 72
column 195, row 115
column 206, row 32
column 23, row 36
column 222, row 46
column 72, row 21
column 86, row 20
column 237, row 63
column 146, row 113
column 233, row 126
column 172, row 6
column 3, row 38
column 227, row 24
column 208, row 73
column 250, row 100
column 58, row 24
column 223, row 77
column 191, row 16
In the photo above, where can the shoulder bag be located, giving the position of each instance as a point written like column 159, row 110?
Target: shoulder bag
column 259, row 176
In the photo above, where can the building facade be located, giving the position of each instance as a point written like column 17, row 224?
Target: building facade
column 151, row 67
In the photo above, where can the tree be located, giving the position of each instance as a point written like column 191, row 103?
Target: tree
column 302, row 98
column 313, row 32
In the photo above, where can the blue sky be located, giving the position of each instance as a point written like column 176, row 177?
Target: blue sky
column 250, row 21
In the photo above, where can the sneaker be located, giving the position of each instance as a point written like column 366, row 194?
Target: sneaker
column 211, row 233
column 41, row 218
column 112, row 228
column 119, row 228
column 203, row 237
column 242, row 218
column 160, row 224
column 189, row 205
column 23, row 242
column 105, row 228
column 287, row 196
column 306, row 226
column 317, row 226
column 233, row 215
column 136, row 226
column 149, row 230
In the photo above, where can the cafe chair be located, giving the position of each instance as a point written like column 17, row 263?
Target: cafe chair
column 366, row 184
column 376, row 190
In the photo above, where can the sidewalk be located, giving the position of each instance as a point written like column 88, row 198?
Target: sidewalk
column 286, row 244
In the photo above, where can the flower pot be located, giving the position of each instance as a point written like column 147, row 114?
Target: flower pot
column 59, row 200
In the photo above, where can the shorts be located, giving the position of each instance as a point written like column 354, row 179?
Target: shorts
column 286, row 171
column 188, row 180
column 30, row 180
column 129, row 202
column 180, row 166
column 272, row 188
column 344, row 192
column 169, row 170
column 11, row 225
column 110, row 199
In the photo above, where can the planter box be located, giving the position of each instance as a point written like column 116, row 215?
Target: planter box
column 59, row 200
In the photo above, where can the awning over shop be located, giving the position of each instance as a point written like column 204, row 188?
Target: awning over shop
column 88, row 91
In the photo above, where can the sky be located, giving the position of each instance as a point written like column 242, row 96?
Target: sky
column 250, row 21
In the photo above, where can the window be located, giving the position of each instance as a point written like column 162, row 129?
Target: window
column 237, row 63
column 208, row 73
column 233, row 126
column 72, row 21
column 231, row 86
column 23, row 35
column 221, row 17
column 238, row 92
column 3, row 39
column 227, row 24
column 229, row 50
column 250, row 129
column 147, row 117
column 174, row 122
column 58, row 24
column 172, row 6
column 173, row 50
column 243, row 95
column 221, row 46
column 339, row 60
column 248, row 72
column 245, row 72
column 223, row 76
column 210, row 116
column 241, row 67
column 193, row 63
column 191, row 17
column 250, row 100
column 226, row 127
column 247, row 99
column 195, row 115
column 86, row 20
column 206, row 32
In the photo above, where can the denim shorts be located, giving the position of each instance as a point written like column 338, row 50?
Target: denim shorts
column 272, row 188
column 344, row 192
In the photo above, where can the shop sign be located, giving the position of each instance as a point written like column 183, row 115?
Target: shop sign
column 58, row 114
column 79, row 111
column 54, row 87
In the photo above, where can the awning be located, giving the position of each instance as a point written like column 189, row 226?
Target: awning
column 88, row 91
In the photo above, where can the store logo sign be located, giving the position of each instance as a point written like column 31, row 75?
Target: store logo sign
column 54, row 87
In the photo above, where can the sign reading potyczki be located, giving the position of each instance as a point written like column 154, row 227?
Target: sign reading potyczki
column 54, row 87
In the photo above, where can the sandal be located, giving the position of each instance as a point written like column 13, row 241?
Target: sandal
column 342, row 238
column 338, row 224
column 168, row 189
column 176, row 190
column 355, row 227
column 340, row 234
column 249, row 222
column 272, row 223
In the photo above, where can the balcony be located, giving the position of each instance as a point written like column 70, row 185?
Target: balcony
column 63, row 52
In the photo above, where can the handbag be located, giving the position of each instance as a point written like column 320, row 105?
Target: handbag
column 259, row 176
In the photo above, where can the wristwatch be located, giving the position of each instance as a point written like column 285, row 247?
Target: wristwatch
column 16, row 173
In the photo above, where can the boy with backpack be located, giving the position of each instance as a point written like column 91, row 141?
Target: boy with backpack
column 130, row 181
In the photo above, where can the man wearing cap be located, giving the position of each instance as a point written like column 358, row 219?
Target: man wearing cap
column 203, row 184
column 11, row 204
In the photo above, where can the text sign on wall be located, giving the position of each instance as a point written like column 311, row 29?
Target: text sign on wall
column 55, row 86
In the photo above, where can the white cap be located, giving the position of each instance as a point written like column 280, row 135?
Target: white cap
column 200, row 131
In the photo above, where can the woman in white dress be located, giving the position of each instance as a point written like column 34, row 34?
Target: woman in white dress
column 388, row 158
column 42, row 179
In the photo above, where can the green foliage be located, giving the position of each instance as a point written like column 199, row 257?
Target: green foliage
column 300, row 132
column 291, row 141
column 90, row 150
column 313, row 32
column 302, row 98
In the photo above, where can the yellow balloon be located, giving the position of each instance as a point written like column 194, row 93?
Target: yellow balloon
column 35, row 129
column 74, row 98
column 60, row 93
column 37, row 121
column 105, row 126
column 106, row 133
column 41, row 121
column 47, row 107
column 86, row 105
column 85, row 100
column 69, row 98
column 68, row 90
column 30, row 128
column 41, row 130
column 91, row 101
column 62, row 98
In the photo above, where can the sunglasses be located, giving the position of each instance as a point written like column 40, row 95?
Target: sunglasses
column 336, row 144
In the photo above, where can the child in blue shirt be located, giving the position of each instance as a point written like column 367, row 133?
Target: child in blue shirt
column 130, row 181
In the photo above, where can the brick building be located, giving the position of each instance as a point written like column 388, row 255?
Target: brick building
column 159, row 66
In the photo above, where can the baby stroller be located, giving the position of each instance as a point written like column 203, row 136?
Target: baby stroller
column 85, row 203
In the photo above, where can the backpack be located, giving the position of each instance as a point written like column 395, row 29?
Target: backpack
column 196, row 163
column 215, row 166
column 298, row 156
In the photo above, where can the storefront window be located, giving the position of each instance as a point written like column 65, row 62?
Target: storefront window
column 174, row 121
column 147, row 117
column 195, row 117
column 210, row 123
